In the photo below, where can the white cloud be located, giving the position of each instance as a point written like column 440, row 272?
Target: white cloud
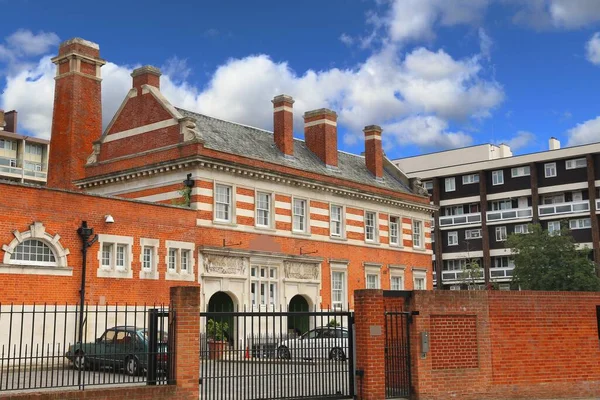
column 426, row 132
column 24, row 42
column 485, row 44
column 520, row 140
column 592, row 49
column 559, row 14
column 585, row 132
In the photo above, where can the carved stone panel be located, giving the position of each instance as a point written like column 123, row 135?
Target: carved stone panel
column 225, row 265
column 297, row 270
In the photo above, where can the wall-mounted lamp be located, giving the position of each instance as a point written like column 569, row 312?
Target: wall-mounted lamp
column 109, row 219
column 189, row 182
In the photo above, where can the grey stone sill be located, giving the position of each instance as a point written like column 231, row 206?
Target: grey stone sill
column 35, row 270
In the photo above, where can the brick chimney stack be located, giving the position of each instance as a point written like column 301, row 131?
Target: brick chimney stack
column 10, row 118
column 320, row 134
column 77, row 114
column 283, row 123
column 374, row 150
column 146, row 75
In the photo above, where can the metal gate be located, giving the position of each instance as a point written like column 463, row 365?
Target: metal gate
column 276, row 355
column 397, row 355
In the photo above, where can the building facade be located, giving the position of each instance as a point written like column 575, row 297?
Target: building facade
column 22, row 158
column 483, row 201
column 265, row 221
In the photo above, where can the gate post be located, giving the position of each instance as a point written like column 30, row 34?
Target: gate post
column 185, row 302
column 369, row 323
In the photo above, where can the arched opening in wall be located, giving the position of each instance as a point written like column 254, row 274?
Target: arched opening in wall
column 299, row 324
column 222, row 326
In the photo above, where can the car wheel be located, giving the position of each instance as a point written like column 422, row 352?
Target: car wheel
column 131, row 366
column 79, row 361
column 283, row 352
column 337, row 354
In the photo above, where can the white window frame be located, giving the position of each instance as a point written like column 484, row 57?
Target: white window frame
column 12, row 163
column 469, row 234
column 550, row 167
column 419, row 275
column 372, row 269
column 397, row 272
column 270, row 210
column 398, row 241
column 342, row 224
column 420, row 244
column 113, row 270
column 180, row 273
column 470, row 179
column 453, row 238
column 428, row 185
column 517, row 172
column 375, row 226
column 501, row 234
column 232, row 202
column 498, row 177
column 521, row 229
column 340, row 268
column 450, row 184
column 580, row 223
column 270, row 302
column 303, row 219
column 555, row 230
column 150, row 272
column 576, row 163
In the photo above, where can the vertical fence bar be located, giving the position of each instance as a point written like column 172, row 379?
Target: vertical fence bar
column 152, row 345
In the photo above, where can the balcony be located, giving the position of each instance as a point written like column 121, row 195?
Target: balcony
column 501, row 273
column 507, row 215
column 458, row 275
column 35, row 174
column 13, row 171
column 464, row 219
column 574, row 207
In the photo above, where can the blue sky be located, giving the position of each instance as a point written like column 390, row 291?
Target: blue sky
column 434, row 74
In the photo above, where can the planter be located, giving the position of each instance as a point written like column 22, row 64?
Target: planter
column 216, row 349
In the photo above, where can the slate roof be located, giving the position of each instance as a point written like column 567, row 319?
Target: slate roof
column 256, row 143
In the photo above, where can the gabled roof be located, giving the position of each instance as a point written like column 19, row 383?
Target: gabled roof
column 246, row 141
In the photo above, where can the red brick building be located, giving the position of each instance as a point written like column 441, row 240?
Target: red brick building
column 270, row 221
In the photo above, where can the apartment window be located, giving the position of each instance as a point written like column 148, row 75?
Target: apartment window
column 148, row 259
column 107, row 255
column 33, row 252
column 394, row 231
column 419, row 280
column 172, row 264
column 335, row 221
column 115, row 256
column 553, row 199
column 263, row 209
column 223, row 202
column 470, row 179
column 179, row 260
column 472, row 234
column 397, row 283
column 500, row 233
column 121, row 256
column 454, row 265
column 521, row 229
column 452, row 238
column 501, row 262
column 8, row 144
column 554, row 228
column 34, row 149
column 13, row 163
column 454, row 210
column 417, row 234
column 2, row 143
column 372, row 281
column 29, row 166
column 502, row 205
column 299, row 224
column 576, row 163
column 550, row 170
column 338, row 289
column 582, row 223
column 428, row 185
column 185, row 260
column 520, row 171
column 504, row 286
column 263, row 286
column 370, row 226
column 450, row 184
column 497, row 178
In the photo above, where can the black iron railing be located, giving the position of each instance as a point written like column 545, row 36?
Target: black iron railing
column 40, row 347
column 397, row 355
column 276, row 355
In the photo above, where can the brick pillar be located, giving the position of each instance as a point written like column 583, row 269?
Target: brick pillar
column 485, row 235
column 370, row 343
column 591, row 175
column 185, row 301
column 535, row 197
column 439, row 263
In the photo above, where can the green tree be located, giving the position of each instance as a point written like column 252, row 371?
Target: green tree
column 545, row 261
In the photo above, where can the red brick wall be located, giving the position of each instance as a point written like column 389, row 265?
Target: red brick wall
column 321, row 139
column 99, row 393
column 453, row 341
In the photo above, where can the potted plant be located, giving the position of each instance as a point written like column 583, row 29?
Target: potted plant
column 216, row 332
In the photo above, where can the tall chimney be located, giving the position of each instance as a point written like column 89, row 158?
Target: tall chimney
column 553, row 144
column 320, row 133
column 77, row 114
column 11, row 121
column 146, row 75
column 374, row 150
column 283, row 123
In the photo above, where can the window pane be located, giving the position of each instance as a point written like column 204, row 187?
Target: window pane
column 185, row 260
column 172, row 259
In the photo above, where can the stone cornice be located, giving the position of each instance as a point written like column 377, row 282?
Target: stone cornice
column 232, row 252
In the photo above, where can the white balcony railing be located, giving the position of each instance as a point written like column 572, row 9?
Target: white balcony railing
column 10, row 170
column 35, row 174
column 505, row 215
column 564, row 208
column 499, row 273
column 465, row 219
column 458, row 275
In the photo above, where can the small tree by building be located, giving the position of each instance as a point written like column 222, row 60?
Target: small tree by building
column 545, row 261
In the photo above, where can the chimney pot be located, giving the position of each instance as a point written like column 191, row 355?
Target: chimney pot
column 553, row 144
column 283, row 124
column 146, row 75
column 374, row 150
column 320, row 133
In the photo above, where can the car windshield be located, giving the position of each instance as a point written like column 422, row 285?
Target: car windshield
column 163, row 337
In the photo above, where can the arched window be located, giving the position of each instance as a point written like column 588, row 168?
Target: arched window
column 33, row 252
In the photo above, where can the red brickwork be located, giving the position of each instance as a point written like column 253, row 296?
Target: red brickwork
column 129, row 393
column 373, row 150
column 283, row 125
column 453, row 341
column 321, row 139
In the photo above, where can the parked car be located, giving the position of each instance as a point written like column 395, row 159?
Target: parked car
column 324, row 342
column 124, row 347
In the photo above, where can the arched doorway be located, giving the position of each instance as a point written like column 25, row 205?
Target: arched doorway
column 299, row 324
column 222, row 302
